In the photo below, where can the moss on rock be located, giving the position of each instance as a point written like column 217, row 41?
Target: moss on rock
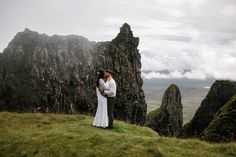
column 168, row 119
column 223, row 127
column 220, row 92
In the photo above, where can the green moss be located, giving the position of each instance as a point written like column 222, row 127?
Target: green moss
column 151, row 116
column 223, row 126
column 219, row 94
column 173, row 87
column 154, row 113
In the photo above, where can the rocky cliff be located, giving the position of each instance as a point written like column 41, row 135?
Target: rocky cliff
column 57, row 74
column 223, row 127
column 219, row 94
column 168, row 119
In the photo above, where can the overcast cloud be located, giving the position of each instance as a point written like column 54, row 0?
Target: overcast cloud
column 189, row 38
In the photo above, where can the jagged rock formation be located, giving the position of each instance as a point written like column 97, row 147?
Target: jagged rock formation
column 219, row 94
column 168, row 119
column 223, row 127
column 58, row 73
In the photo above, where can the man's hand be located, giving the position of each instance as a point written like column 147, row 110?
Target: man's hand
column 104, row 94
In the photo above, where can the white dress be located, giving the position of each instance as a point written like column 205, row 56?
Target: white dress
column 101, row 117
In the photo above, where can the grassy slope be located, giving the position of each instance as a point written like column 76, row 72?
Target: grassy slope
column 72, row 135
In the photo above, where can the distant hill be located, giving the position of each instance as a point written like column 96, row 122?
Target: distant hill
column 72, row 135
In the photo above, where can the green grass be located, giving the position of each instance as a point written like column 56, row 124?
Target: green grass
column 58, row 135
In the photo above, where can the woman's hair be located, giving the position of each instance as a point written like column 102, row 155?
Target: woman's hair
column 100, row 75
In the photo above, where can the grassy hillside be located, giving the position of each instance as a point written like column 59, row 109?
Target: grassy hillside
column 56, row 135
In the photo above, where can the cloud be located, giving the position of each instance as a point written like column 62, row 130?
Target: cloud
column 205, row 64
column 188, row 38
column 171, row 74
column 208, row 50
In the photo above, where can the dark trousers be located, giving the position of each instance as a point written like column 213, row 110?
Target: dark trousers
column 110, row 107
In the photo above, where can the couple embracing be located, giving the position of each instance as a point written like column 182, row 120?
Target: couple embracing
column 106, row 93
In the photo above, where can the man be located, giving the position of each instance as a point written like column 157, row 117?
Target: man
column 110, row 93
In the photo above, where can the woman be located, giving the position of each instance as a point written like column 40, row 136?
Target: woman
column 101, row 117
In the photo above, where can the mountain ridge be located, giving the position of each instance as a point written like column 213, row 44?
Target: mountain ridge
column 57, row 74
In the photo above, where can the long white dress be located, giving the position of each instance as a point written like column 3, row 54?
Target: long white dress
column 101, row 117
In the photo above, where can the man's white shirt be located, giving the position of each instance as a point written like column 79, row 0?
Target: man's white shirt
column 111, row 88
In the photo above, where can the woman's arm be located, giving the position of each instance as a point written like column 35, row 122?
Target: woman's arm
column 102, row 84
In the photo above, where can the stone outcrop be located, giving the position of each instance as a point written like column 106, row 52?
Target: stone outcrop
column 168, row 119
column 223, row 127
column 219, row 94
column 57, row 74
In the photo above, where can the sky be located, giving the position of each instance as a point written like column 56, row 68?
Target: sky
column 193, row 39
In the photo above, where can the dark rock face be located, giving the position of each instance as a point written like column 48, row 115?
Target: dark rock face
column 57, row 74
column 125, row 60
column 219, row 94
column 223, row 127
column 168, row 119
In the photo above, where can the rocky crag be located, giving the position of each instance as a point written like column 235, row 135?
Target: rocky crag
column 223, row 127
column 220, row 93
column 168, row 119
column 56, row 74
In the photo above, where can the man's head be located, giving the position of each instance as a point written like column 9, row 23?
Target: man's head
column 108, row 73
